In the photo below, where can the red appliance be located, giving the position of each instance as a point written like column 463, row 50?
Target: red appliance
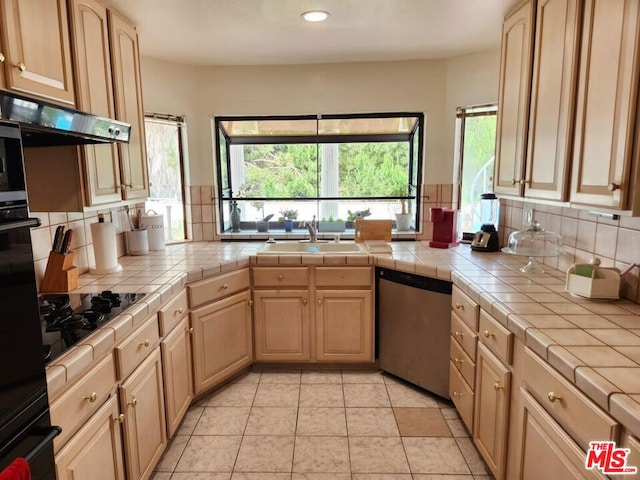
column 444, row 227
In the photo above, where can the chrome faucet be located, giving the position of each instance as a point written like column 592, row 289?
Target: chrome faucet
column 313, row 235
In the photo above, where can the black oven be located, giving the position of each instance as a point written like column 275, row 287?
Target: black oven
column 25, row 428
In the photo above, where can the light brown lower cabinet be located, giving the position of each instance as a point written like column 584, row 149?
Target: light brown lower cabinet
column 344, row 330
column 145, row 431
column 491, row 415
column 95, row 452
column 281, row 320
column 178, row 374
column 546, row 450
column 222, row 340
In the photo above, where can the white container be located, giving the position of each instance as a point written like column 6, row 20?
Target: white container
column 105, row 251
column 154, row 223
column 591, row 281
column 137, row 242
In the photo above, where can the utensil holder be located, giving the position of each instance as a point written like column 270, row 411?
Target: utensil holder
column 60, row 275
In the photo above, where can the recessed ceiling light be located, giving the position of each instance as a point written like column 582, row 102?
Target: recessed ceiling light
column 315, row 16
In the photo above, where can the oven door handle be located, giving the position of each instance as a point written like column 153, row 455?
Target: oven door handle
column 51, row 433
column 26, row 223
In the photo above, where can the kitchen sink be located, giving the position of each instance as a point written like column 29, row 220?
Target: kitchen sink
column 298, row 248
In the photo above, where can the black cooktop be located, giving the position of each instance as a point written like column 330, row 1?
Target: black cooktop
column 67, row 318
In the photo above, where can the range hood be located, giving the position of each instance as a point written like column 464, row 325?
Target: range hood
column 45, row 124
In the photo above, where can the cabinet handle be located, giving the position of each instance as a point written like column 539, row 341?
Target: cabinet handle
column 457, row 394
column 458, row 334
column 1, row 58
column 133, row 402
column 319, row 302
column 459, row 306
column 224, row 286
column 488, row 334
column 553, row 397
column 92, row 397
column 190, row 330
column 146, row 343
column 119, row 418
column 179, row 311
column 521, row 181
column 20, row 66
column 458, row 360
column 612, row 187
column 280, row 277
column 251, row 303
column 497, row 386
column 304, row 301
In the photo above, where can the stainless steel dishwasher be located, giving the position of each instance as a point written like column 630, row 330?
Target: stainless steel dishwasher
column 413, row 317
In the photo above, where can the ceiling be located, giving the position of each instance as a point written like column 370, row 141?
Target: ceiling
column 271, row 32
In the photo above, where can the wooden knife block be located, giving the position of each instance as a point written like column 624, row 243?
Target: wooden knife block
column 61, row 275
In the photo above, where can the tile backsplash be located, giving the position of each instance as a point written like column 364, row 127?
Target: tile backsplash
column 584, row 235
column 81, row 242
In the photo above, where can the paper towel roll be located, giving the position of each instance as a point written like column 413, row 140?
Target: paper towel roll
column 105, row 250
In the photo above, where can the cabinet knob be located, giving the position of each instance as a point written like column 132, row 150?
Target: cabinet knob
column 251, row 303
column 497, row 386
column 458, row 334
column 179, row 311
column 304, row 301
column 612, row 187
column 119, row 418
column 553, row 397
column 133, row 402
column 146, row 343
column 280, row 277
column 459, row 306
column 319, row 302
column 488, row 334
column 1, row 58
column 190, row 330
column 457, row 394
column 224, row 286
column 522, row 182
column 20, row 66
column 92, row 397
column 458, row 361
column 122, row 186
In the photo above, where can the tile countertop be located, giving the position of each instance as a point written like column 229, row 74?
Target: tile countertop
column 594, row 344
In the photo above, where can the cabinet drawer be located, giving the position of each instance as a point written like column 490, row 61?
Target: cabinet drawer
column 566, row 404
column 465, row 308
column 462, row 396
column 344, row 276
column 213, row 288
column 464, row 336
column 280, row 276
column 462, row 362
column 171, row 313
column 496, row 337
column 72, row 409
column 136, row 347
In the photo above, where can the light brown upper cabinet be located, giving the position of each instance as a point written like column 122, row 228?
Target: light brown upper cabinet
column 514, row 93
column 37, row 56
column 606, row 106
column 125, row 64
column 3, row 58
column 555, row 67
column 94, row 92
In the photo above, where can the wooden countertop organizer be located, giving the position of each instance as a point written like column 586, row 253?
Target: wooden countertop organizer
column 61, row 275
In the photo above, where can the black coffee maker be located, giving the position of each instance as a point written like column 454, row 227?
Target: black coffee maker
column 486, row 239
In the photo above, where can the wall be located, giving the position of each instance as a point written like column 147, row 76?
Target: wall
column 584, row 235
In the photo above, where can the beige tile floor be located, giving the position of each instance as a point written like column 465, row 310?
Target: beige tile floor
column 326, row 425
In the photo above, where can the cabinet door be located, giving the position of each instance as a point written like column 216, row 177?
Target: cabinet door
column 545, row 449
column 36, row 48
column 145, row 433
column 281, row 322
column 178, row 374
column 493, row 388
column 344, row 325
column 606, row 105
column 94, row 452
column 94, row 93
column 125, row 63
column 555, row 67
column 513, row 100
column 222, row 338
column 3, row 58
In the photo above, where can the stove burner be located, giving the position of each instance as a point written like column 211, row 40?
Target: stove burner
column 105, row 301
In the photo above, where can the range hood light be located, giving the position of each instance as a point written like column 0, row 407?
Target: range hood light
column 315, row 15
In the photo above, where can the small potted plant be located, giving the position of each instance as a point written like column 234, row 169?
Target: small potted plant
column 403, row 218
column 331, row 225
column 288, row 216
